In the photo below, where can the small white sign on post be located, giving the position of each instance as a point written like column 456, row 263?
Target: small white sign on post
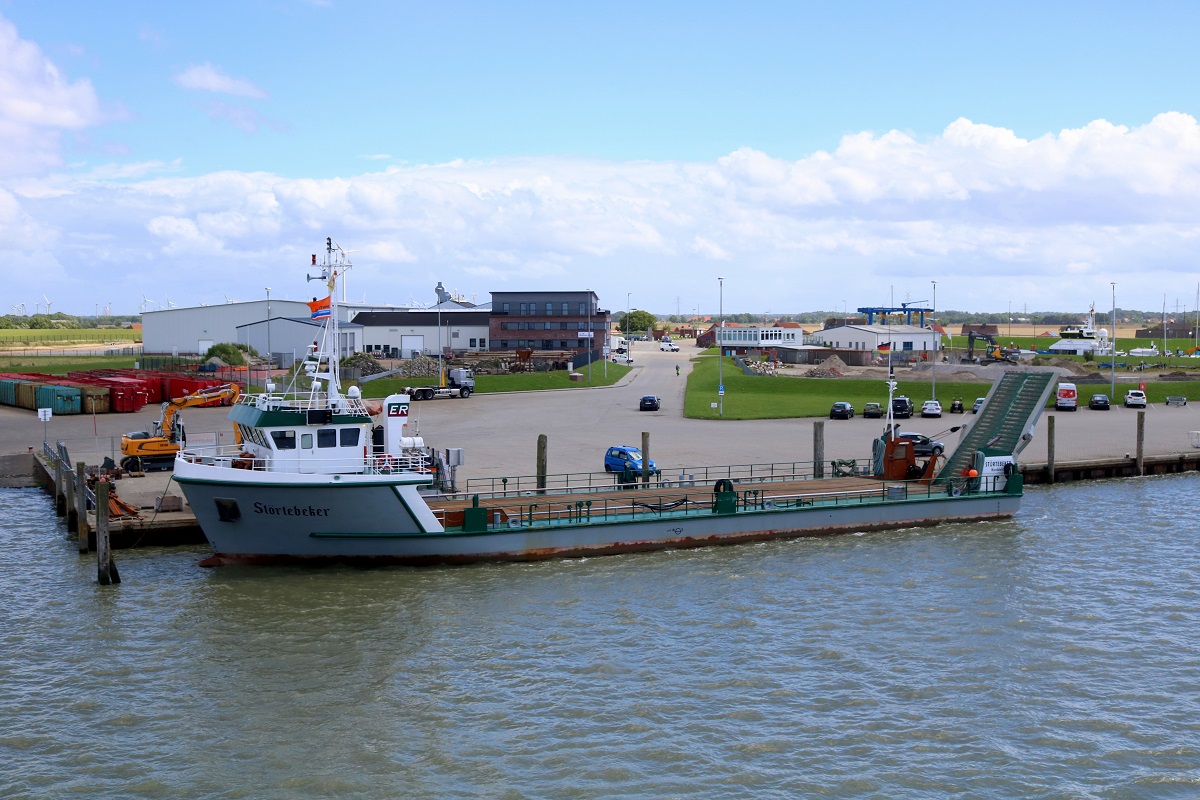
column 586, row 334
column 44, row 414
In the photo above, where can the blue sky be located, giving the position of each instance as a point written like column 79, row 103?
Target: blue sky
column 813, row 154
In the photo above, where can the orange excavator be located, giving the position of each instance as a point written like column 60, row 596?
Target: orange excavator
column 142, row 450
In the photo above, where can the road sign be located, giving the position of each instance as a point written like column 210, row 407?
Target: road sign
column 44, row 414
column 721, row 390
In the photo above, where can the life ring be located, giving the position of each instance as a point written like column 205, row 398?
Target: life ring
column 722, row 485
column 387, row 464
column 956, row 491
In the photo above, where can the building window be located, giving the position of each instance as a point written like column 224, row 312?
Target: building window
column 472, row 344
column 524, row 309
column 566, row 308
column 583, row 309
column 549, row 309
column 483, row 344
column 453, row 334
column 504, row 307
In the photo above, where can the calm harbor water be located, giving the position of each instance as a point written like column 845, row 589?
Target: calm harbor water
column 1055, row 655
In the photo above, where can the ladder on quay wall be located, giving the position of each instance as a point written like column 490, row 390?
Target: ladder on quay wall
column 1009, row 413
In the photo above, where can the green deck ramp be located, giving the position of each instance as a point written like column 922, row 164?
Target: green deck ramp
column 1012, row 407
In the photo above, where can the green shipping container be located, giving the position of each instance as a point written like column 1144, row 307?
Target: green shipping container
column 8, row 391
column 63, row 399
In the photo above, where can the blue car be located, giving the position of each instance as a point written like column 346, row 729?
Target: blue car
column 622, row 456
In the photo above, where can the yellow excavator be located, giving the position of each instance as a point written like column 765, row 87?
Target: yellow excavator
column 155, row 450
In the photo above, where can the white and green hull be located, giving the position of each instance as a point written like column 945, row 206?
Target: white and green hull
column 386, row 519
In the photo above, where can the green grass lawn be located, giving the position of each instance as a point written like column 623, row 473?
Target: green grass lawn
column 44, row 336
column 61, row 365
column 764, row 397
column 515, row 382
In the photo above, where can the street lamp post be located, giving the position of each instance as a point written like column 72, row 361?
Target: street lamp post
column 589, row 340
column 721, row 351
column 936, row 338
column 268, row 333
column 628, row 327
column 1112, row 346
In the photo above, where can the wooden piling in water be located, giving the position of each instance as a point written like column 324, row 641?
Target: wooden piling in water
column 81, row 522
column 645, row 458
column 60, row 505
column 543, row 461
column 1049, row 448
column 69, row 493
column 1141, row 443
column 819, row 449
column 106, row 568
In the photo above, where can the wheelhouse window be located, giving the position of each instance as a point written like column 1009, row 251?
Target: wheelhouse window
column 327, row 437
column 284, row 440
column 350, row 437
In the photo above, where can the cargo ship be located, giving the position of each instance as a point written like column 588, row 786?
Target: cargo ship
column 324, row 475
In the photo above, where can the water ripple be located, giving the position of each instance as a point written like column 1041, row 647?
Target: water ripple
column 1054, row 655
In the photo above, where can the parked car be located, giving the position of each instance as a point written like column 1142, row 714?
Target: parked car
column 978, row 404
column 622, row 358
column 873, row 411
column 668, row 347
column 922, row 444
column 931, row 408
column 902, row 407
column 1099, row 402
column 956, row 407
column 648, row 403
column 621, row 457
column 841, row 411
column 1135, row 398
column 1066, row 397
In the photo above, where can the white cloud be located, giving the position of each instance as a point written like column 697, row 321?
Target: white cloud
column 36, row 104
column 207, row 78
column 982, row 211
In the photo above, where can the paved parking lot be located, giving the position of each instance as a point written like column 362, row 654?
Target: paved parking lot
column 499, row 432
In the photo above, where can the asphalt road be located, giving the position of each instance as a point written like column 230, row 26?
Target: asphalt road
column 499, row 432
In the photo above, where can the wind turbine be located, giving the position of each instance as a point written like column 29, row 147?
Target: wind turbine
column 229, row 300
column 19, row 308
column 146, row 301
column 48, row 303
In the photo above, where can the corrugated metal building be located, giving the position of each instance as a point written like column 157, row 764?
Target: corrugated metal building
column 191, row 331
column 402, row 333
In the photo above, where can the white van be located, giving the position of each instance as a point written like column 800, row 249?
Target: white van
column 1066, row 398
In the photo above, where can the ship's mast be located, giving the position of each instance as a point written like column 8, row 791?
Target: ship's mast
column 334, row 264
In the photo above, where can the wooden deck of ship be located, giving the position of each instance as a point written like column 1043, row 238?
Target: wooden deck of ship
column 655, row 497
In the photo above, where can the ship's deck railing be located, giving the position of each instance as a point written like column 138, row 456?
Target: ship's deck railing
column 235, row 456
column 668, row 505
column 569, row 482
column 302, row 402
